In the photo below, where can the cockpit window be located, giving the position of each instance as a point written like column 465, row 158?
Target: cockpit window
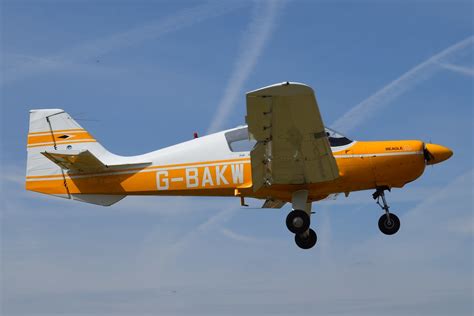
column 336, row 139
column 238, row 140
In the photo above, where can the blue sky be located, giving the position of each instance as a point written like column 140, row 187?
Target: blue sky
column 392, row 69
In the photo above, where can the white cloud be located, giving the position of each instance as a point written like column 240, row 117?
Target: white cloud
column 253, row 43
column 423, row 71
column 238, row 237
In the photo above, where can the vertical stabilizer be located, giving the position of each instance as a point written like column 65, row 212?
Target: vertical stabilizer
column 55, row 131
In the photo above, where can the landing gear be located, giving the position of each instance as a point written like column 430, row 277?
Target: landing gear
column 389, row 223
column 307, row 239
column 298, row 221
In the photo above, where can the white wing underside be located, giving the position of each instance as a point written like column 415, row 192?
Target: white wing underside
column 292, row 147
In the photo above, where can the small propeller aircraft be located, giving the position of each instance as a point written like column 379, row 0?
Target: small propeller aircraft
column 283, row 155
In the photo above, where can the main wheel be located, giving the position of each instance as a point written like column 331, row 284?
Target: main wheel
column 297, row 221
column 306, row 240
column 389, row 227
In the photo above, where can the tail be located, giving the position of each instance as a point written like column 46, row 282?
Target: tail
column 59, row 149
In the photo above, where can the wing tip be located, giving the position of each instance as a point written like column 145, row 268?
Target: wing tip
column 283, row 88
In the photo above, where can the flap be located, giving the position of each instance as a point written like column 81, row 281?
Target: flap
column 270, row 203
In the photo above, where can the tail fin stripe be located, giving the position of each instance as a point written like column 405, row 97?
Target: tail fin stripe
column 63, row 143
column 56, row 133
column 72, row 130
column 58, row 138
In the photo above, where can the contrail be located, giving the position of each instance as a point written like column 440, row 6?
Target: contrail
column 255, row 38
column 238, row 237
column 468, row 71
column 365, row 109
column 95, row 48
column 167, row 254
column 259, row 31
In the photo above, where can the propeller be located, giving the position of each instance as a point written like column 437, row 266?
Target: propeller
column 428, row 156
column 435, row 153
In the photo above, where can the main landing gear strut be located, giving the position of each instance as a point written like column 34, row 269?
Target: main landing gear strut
column 298, row 221
column 389, row 223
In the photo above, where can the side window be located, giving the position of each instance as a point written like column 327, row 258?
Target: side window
column 238, row 140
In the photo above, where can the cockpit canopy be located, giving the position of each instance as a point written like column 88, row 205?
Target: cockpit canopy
column 336, row 139
column 238, row 139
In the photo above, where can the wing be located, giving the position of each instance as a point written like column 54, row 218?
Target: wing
column 292, row 147
column 83, row 161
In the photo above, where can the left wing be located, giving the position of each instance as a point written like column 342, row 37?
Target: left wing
column 292, row 146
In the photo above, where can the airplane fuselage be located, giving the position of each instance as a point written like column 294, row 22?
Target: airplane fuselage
column 284, row 154
column 207, row 166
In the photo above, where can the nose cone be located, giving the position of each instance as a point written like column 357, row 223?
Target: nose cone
column 437, row 153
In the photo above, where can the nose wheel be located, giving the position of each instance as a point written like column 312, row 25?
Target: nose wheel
column 389, row 223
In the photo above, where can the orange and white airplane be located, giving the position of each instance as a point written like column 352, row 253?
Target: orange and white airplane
column 284, row 154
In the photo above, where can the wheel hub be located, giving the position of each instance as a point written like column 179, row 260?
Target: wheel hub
column 298, row 222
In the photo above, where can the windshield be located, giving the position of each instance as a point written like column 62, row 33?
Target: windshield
column 336, row 139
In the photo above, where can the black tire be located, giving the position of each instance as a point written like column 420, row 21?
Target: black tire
column 297, row 221
column 306, row 242
column 385, row 227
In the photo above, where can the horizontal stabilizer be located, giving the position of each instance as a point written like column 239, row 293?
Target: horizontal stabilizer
column 98, row 199
column 83, row 161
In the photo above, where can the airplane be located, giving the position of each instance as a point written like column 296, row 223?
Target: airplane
column 284, row 154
